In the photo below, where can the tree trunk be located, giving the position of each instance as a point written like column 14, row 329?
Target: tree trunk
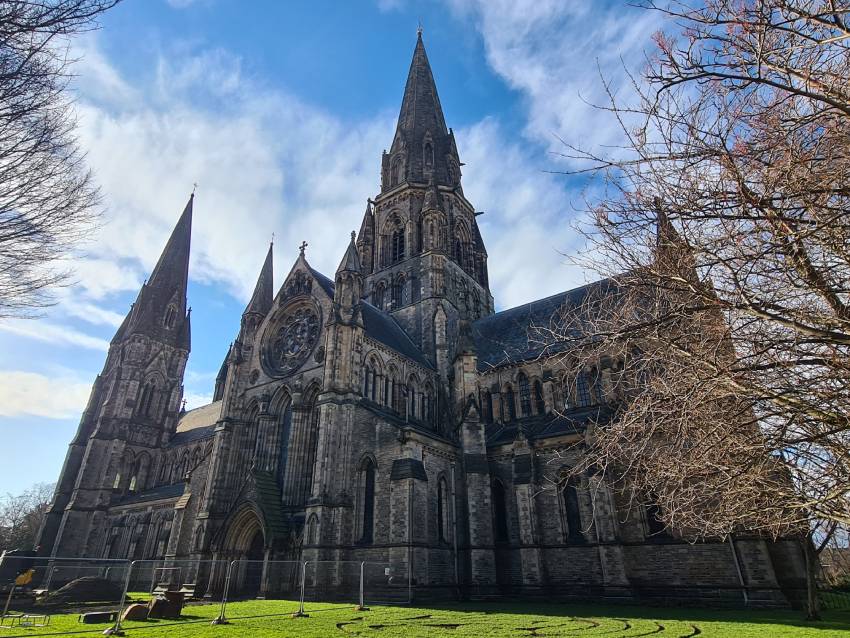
column 812, row 602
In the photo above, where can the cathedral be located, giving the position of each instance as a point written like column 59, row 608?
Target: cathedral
column 386, row 413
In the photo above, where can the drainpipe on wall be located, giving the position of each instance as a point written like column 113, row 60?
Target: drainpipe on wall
column 738, row 569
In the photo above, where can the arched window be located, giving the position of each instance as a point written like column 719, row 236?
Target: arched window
column 285, row 427
column 378, row 295
column 367, row 379
column 367, row 477
column 411, row 398
column 655, row 526
column 509, row 401
column 500, row 512
column 569, row 494
column 170, row 316
column 427, row 404
column 598, row 393
column 395, row 173
column 442, row 511
column 374, row 386
column 582, row 391
column 398, row 396
column 524, row 394
column 486, row 407
column 388, row 390
column 539, row 403
column 429, row 156
column 397, row 244
column 139, row 478
column 398, row 292
column 313, row 530
column 146, row 399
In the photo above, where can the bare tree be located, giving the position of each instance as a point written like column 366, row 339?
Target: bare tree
column 47, row 199
column 725, row 231
column 21, row 516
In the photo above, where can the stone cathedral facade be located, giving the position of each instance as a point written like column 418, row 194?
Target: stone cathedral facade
column 385, row 414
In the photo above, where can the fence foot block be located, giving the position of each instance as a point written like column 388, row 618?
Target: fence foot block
column 361, row 608
column 113, row 631
column 220, row 621
column 299, row 614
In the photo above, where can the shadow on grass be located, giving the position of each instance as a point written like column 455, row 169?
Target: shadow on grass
column 832, row 620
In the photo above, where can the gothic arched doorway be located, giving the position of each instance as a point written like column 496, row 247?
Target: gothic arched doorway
column 254, row 569
column 245, row 542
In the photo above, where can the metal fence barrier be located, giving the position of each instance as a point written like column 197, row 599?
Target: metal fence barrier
column 42, row 596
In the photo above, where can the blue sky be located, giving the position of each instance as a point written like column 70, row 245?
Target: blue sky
column 279, row 111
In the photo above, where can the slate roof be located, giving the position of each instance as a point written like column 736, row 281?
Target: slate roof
column 507, row 337
column 380, row 326
column 546, row 425
column 196, row 424
column 160, row 493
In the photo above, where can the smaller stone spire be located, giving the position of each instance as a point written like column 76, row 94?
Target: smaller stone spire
column 263, row 297
column 160, row 310
column 351, row 260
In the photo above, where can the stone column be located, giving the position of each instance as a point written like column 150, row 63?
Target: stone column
column 523, row 492
column 479, row 502
column 607, row 534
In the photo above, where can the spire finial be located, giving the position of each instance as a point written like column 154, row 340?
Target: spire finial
column 303, row 247
column 419, row 29
column 272, row 241
column 353, row 235
column 194, row 187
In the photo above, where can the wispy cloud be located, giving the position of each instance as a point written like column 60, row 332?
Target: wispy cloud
column 29, row 393
column 526, row 222
column 557, row 54
column 42, row 330
column 265, row 162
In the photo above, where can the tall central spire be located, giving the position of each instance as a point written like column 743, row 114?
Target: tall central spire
column 423, row 147
column 161, row 310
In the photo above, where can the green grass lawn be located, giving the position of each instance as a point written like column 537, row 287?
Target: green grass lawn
column 472, row 620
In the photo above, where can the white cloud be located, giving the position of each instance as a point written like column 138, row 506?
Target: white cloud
column 29, row 393
column 549, row 51
column 92, row 314
column 42, row 330
column 196, row 399
column 265, row 162
column 526, row 222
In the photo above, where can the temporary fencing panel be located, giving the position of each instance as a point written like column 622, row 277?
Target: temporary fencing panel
column 36, row 590
column 386, row 584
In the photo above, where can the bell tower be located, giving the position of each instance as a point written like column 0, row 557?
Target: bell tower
column 419, row 243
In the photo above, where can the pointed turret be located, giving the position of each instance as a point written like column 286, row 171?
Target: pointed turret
column 160, row 310
column 261, row 300
column 423, row 145
column 351, row 260
column 673, row 255
column 348, row 288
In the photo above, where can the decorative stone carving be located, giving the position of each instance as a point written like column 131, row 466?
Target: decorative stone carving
column 291, row 341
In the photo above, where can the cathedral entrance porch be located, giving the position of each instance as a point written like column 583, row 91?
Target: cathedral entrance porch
column 245, row 542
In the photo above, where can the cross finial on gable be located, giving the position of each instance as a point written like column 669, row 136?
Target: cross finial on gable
column 303, row 247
